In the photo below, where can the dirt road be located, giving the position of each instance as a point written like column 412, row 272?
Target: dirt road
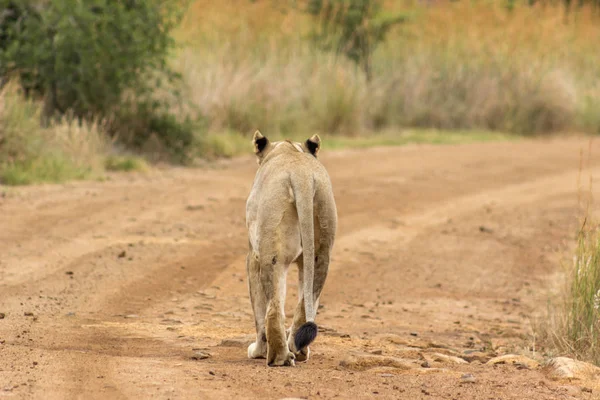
column 118, row 289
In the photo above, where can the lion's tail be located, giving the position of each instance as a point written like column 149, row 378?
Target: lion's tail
column 304, row 204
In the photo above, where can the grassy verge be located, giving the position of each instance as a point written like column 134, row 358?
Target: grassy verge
column 63, row 151
column 572, row 324
column 231, row 144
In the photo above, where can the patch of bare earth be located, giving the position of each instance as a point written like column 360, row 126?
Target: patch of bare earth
column 136, row 287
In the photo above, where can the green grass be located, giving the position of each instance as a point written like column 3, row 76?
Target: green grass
column 126, row 163
column 232, row 144
column 415, row 136
column 50, row 168
column 30, row 153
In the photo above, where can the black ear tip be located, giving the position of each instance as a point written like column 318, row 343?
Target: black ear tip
column 312, row 147
column 261, row 143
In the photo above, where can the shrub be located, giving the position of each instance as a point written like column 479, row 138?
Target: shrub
column 97, row 59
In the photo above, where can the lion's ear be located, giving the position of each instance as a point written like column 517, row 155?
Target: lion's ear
column 313, row 145
column 260, row 142
column 261, row 145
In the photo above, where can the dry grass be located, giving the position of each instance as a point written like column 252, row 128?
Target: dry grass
column 62, row 151
column 460, row 65
column 571, row 324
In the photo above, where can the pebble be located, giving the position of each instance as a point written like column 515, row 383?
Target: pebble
column 468, row 378
column 200, row 355
column 520, row 361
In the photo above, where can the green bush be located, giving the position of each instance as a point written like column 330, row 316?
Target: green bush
column 97, row 59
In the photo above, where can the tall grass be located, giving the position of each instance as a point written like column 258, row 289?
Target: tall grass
column 458, row 65
column 62, row 151
column 572, row 325
column 583, row 319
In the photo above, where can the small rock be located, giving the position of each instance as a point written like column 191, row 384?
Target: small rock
column 28, row 314
column 514, row 359
column 238, row 342
column 468, row 378
column 2, row 315
column 386, row 375
column 211, row 372
column 567, row 368
column 443, row 358
column 476, row 356
column 200, row 355
column 586, row 390
column 69, row 273
column 292, row 398
column 35, row 363
column 362, row 362
column 122, row 254
column 377, row 352
column 425, row 364
column 484, row 229
column 414, row 334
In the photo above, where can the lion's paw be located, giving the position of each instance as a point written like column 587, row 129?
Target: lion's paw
column 287, row 361
column 255, row 351
column 303, row 355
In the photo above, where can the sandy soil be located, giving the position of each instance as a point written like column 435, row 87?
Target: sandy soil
column 119, row 289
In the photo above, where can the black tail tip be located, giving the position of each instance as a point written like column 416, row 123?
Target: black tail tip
column 305, row 335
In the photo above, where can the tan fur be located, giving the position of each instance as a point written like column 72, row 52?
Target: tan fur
column 291, row 199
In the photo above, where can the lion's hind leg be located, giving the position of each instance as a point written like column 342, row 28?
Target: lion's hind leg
column 273, row 275
column 258, row 349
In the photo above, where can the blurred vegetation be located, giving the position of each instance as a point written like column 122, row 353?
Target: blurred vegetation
column 352, row 27
column 175, row 81
column 98, row 59
column 572, row 323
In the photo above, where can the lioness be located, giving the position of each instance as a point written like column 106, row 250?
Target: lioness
column 291, row 218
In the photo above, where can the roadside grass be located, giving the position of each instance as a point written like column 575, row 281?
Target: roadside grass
column 32, row 154
column 230, row 144
column 126, row 163
column 62, row 151
column 571, row 323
